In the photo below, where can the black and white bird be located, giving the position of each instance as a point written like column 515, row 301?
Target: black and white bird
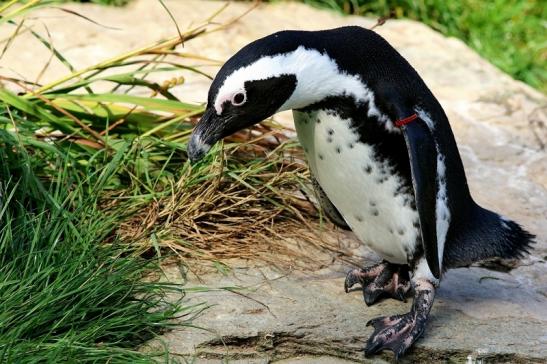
column 382, row 155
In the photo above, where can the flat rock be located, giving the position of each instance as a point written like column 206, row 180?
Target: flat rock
column 304, row 317
column 258, row 315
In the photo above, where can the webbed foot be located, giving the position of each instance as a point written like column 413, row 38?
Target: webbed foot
column 397, row 333
column 381, row 280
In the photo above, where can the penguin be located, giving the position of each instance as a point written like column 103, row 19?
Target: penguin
column 382, row 157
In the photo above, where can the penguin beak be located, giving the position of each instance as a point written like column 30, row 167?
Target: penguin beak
column 206, row 133
column 212, row 127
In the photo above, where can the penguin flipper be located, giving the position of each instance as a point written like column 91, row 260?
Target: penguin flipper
column 328, row 208
column 422, row 152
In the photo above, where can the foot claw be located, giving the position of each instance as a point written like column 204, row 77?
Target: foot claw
column 372, row 348
column 371, row 296
column 352, row 278
column 361, row 276
column 400, row 294
column 372, row 322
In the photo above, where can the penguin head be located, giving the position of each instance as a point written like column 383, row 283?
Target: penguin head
column 239, row 103
column 250, row 87
column 282, row 71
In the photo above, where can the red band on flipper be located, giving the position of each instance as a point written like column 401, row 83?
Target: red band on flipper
column 406, row 120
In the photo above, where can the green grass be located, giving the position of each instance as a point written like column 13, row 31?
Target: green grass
column 511, row 34
column 69, row 290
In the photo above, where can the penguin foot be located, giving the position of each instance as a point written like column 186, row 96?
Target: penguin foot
column 398, row 333
column 381, row 280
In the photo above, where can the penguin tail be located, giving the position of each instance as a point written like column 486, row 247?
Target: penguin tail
column 500, row 237
column 487, row 235
column 514, row 242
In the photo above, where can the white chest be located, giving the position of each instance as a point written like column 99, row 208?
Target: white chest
column 364, row 189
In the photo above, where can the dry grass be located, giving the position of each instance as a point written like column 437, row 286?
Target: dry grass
column 252, row 201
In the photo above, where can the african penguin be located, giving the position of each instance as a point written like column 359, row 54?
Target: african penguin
column 382, row 156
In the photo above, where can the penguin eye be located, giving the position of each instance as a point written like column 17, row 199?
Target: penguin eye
column 239, row 99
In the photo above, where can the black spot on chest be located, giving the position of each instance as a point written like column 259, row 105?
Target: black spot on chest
column 389, row 147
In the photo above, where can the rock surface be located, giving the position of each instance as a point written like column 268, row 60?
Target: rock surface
column 304, row 317
column 276, row 317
